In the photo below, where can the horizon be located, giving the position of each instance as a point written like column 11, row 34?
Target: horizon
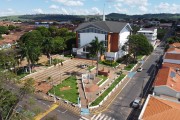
column 91, row 15
column 85, row 7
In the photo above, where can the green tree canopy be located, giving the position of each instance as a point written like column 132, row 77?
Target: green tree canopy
column 30, row 46
column 139, row 45
column 44, row 31
column 3, row 30
column 59, row 44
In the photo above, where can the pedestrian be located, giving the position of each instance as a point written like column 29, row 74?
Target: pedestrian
column 61, row 63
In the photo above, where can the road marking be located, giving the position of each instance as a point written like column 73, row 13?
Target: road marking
column 98, row 116
column 41, row 115
column 101, row 117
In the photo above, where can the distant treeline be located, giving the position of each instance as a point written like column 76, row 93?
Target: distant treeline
column 56, row 17
column 81, row 18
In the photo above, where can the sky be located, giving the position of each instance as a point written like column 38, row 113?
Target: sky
column 87, row 7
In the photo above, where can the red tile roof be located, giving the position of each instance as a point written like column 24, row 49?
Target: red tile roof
column 161, row 109
column 172, row 56
column 164, row 77
column 173, row 50
column 172, row 65
column 175, row 45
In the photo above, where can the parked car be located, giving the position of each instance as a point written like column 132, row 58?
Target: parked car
column 136, row 102
column 84, row 66
column 139, row 69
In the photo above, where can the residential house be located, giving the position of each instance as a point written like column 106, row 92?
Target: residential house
column 114, row 34
column 167, row 82
column 172, row 58
column 154, row 23
column 175, row 45
column 156, row 108
column 150, row 33
column 165, row 25
column 9, row 40
column 173, row 50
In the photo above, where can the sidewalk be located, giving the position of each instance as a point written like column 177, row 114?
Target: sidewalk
column 113, row 96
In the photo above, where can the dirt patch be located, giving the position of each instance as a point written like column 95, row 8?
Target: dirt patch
column 65, row 88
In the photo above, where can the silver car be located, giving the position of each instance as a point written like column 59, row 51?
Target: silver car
column 136, row 102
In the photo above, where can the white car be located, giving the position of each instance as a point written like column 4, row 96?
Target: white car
column 139, row 69
column 84, row 66
column 136, row 102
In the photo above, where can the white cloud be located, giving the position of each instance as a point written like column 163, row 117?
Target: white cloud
column 120, row 9
column 54, row 7
column 7, row 12
column 70, row 2
column 143, row 9
column 164, row 7
column 131, row 2
column 95, row 10
column 64, row 11
column 38, row 11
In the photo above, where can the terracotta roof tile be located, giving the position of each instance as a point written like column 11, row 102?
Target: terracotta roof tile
column 175, row 45
column 161, row 109
column 172, row 65
column 173, row 50
column 172, row 56
column 164, row 78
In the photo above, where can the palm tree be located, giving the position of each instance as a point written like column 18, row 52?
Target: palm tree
column 97, row 49
column 48, row 47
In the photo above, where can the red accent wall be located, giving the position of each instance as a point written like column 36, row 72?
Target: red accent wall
column 114, row 42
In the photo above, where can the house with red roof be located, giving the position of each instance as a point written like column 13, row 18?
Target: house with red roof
column 156, row 108
column 167, row 82
column 175, row 45
column 172, row 57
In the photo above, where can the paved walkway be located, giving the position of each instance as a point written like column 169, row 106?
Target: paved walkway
column 113, row 96
column 41, row 115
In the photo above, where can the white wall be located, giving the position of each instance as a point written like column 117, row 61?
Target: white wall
column 86, row 38
column 111, row 54
column 123, row 37
column 172, row 61
column 165, row 90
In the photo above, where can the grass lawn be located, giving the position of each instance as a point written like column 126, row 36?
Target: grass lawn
column 139, row 57
column 91, row 67
column 107, row 91
column 104, row 78
column 129, row 67
column 70, row 94
column 109, row 63
column 21, row 73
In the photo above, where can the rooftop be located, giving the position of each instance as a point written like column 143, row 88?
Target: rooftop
column 109, row 26
column 157, row 108
column 172, row 65
column 175, row 45
column 173, row 50
column 169, row 77
column 173, row 56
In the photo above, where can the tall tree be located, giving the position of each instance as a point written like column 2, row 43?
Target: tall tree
column 139, row 45
column 59, row 44
column 30, row 47
column 48, row 46
column 44, row 31
column 97, row 49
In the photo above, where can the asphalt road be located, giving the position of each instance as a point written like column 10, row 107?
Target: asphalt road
column 120, row 108
column 59, row 113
